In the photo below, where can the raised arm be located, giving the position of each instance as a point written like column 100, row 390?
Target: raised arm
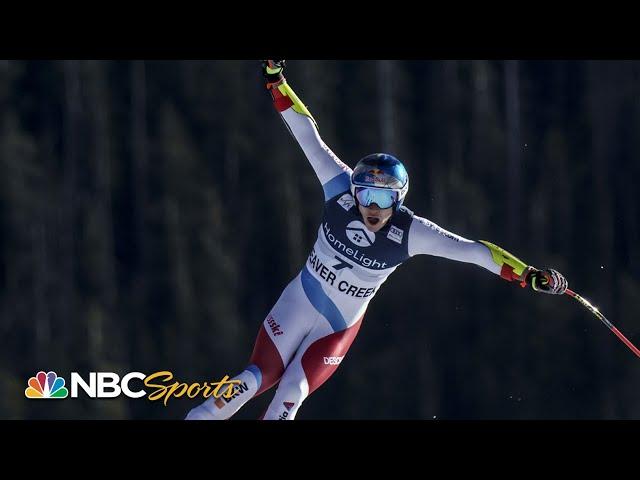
column 332, row 173
column 425, row 237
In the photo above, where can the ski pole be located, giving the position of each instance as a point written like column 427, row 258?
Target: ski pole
column 604, row 320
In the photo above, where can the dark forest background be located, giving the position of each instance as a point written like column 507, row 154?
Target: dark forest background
column 151, row 212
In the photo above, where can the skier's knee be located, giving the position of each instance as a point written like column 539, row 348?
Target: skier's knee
column 270, row 373
column 267, row 359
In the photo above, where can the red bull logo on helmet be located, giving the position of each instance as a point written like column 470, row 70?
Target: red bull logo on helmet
column 383, row 180
column 376, row 177
column 378, row 181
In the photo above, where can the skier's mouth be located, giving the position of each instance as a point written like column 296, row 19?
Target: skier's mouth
column 373, row 220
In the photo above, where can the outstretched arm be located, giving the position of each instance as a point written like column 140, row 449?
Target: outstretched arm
column 332, row 173
column 425, row 237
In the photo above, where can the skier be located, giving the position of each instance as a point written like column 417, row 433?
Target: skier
column 366, row 232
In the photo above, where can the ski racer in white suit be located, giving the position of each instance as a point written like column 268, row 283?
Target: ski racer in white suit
column 365, row 233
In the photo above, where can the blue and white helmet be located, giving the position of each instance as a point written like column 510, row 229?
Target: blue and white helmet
column 381, row 171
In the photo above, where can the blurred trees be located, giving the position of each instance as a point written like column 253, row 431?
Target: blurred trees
column 151, row 212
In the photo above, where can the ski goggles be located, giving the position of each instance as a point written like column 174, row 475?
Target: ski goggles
column 383, row 197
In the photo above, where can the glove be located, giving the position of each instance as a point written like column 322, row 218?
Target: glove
column 272, row 72
column 547, row 281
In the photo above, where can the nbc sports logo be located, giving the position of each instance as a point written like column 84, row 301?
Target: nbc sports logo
column 46, row 385
column 110, row 385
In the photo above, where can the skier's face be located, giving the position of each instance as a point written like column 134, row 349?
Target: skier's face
column 375, row 218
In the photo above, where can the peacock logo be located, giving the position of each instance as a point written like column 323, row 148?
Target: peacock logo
column 46, row 385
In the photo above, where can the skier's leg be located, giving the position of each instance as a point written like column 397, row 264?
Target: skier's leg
column 264, row 370
column 315, row 361
column 279, row 337
column 222, row 408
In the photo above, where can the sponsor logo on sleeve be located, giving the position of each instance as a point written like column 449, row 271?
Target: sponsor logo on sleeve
column 438, row 229
column 346, row 201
